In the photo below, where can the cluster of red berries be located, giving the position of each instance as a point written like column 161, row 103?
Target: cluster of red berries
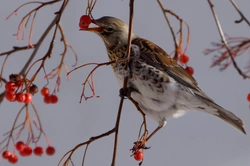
column 47, row 98
column 12, row 158
column 26, row 150
column 14, row 90
column 85, row 20
column 184, row 60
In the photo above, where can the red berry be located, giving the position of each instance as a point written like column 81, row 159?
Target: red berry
column 27, row 151
column 50, row 150
column 248, row 97
column 6, row 154
column 53, row 99
column 28, row 98
column 20, row 97
column 10, row 86
column 33, row 89
column 138, row 156
column 10, row 96
column 13, row 159
column 45, row 91
column 85, row 20
column 22, row 153
column 38, row 151
column 19, row 83
column 184, row 58
column 20, row 146
column 82, row 27
column 190, row 70
column 46, row 99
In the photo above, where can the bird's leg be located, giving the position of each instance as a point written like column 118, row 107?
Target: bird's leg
column 141, row 141
column 140, row 144
column 155, row 131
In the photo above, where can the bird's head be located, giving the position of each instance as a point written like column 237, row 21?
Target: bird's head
column 113, row 31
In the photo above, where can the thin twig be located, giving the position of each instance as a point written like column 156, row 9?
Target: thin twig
column 143, row 115
column 16, row 48
column 240, row 13
column 171, row 28
column 117, row 127
column 224, row 41
column 71, row 152
column 59, row 14
column 38, row 44
column 131, row 15
column 66, row 44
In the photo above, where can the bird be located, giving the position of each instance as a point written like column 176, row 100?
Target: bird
column 160, row 86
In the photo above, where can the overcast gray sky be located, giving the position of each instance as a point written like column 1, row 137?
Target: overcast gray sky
column 196, row 139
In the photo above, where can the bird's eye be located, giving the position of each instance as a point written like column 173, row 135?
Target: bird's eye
column 109, row 29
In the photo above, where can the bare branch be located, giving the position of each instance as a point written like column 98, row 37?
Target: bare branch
column 224, row 41
column 171, row 28
column 240, row 13
column 131, row 15
column 38, row 44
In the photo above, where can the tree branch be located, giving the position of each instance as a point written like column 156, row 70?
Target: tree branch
column 224, row 41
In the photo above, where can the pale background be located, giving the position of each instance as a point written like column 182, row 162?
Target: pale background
column 197, row 139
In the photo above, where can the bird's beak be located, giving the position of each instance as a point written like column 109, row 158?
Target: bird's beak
column 95, row 29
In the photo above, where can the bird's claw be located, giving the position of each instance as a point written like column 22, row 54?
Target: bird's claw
column 139, row 145
column 126, row 92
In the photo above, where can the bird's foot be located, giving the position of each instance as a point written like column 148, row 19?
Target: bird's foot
column 139, row 145
column 126, row 92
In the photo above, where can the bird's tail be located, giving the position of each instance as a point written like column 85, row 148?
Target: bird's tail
column 227, row 116
column 232, row 119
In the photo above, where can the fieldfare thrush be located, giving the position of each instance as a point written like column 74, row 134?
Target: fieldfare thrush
column 161, row 87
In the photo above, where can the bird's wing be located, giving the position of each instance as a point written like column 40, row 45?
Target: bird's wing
column 157, row 57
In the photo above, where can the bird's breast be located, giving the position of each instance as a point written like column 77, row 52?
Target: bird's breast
column 158, row 94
